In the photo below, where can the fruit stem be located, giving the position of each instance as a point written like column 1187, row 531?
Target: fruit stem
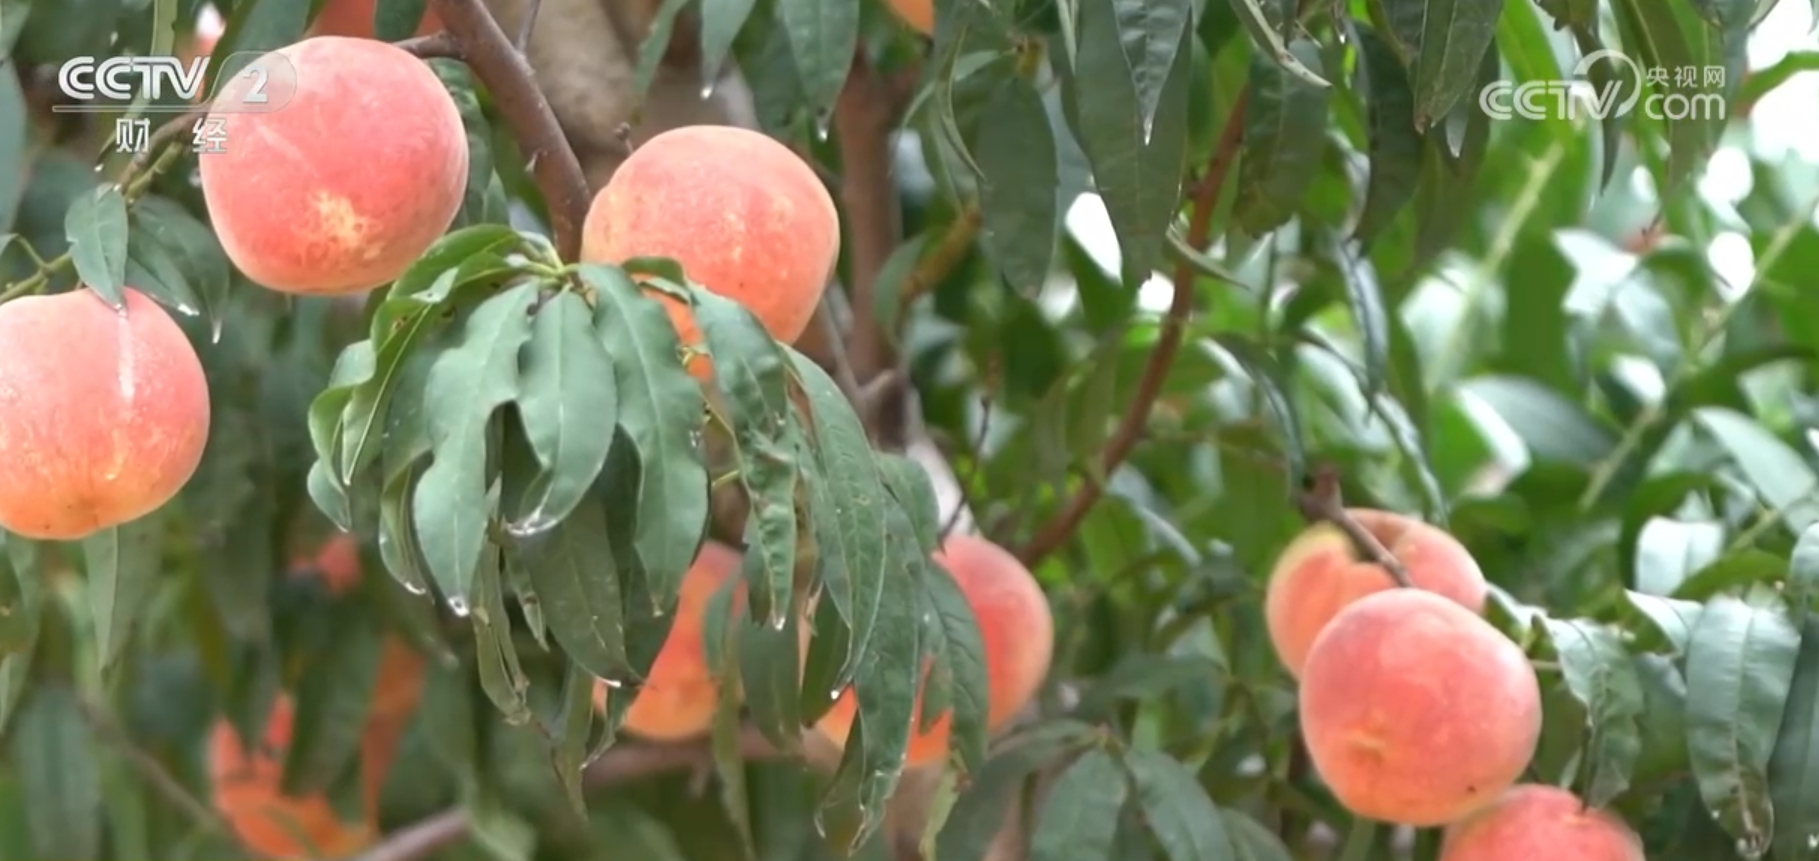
column 1322, row 502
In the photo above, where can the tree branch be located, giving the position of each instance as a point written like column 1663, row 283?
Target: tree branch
column 1205, row 198
column 499, row 65
column 1323, row 502
column 865, row 123
column 626, row 762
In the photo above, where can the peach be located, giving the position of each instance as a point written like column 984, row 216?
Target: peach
column 104, row 413
column 918, row 14
column 337, row 562
column 1320, row 572
column 1415, row 710
column 247, row 792
column 747, row 218
column 1015, row 627
column 680, row 697
column 1538, row 821
column 354, row 19
column 346, row 183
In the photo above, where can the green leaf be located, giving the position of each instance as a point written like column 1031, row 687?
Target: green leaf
column 769, row 658
column 909, row 483
column 656, row 43
column 1599, row 674
column 332, row 702
column 501, row 675
column 822, row 36
column 1793, row 769
column 1266, row 21
column 13, row 154
column 567, row 399
column 848, row 511
column 195, row 254
column 573, row 571
column 1741, row 662
column 397, row 19
column 1284, row 133
column 1152, row 32
column 1251, row 841
column 750, row 369
column 1079, row 819
column 123, row 564
column 1136, row 165
column 885, row 685
column 1020, row 170
column 1803, row 569
column 1661, row 41
column 466, row 385
column 96, row 226
column 253, row 29
column 1369, row 310
column 1571, row 13
column 660, row 409
column 1674, row 618
column 962, row 662
column 1394, row 144
column 721, row 21
column 1777, row 472
column 979, row 812
column 54, row 754
column 1553, row 427
column 574, row 724
column 1180, row 814
column 1454, row 36
column 415, row 308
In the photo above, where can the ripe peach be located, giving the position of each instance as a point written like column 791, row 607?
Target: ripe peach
column 1320, row 572
column 247, row 786
column 337, row 562
column 1416, row 711
column 918, row 14
column 349, row 181
column 103, row 414
column 679, row 699
column 1538, row 821
column 354, row 19
column 1015, row 627
column 747, row 218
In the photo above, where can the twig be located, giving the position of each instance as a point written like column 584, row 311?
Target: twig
column 1205, row 198
column 1323, row 502
column 513, row 84
column 134, row 178
column 434, row 46
column 626, row 762
column 836, row 354
column 531, row 9
column 154, row 773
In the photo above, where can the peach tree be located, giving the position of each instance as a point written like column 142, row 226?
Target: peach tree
column 1213, row 321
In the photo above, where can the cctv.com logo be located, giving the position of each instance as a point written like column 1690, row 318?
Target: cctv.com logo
column 1670, row 94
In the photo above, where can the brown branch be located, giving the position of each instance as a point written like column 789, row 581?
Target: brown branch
column 865, row 124
column 626, row 762
column 508, row 76
column 1323, row 502
column 1205, row 198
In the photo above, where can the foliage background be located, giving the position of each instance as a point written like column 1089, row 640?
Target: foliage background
column 1604, row 390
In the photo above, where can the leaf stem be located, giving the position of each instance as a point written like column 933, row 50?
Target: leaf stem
column 1205, row 198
